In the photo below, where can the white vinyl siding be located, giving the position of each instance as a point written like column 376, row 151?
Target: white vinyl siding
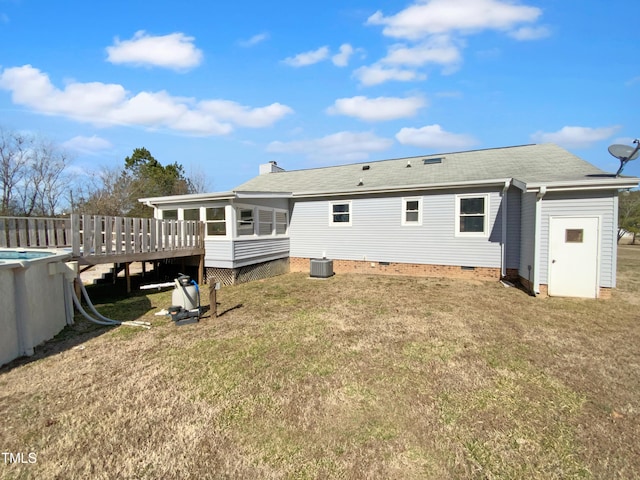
column 600, row 204
column 376, row 236
column 527, row 236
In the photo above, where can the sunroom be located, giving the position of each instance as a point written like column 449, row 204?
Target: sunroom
column 246, row 233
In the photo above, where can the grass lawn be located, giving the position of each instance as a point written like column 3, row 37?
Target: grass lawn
column 350, row 377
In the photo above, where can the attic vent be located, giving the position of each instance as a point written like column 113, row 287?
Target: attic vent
column 366, row 167
column 432, row 161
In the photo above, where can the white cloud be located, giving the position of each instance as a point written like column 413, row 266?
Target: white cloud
column 256, row 39
column 429, row 17
column 377, row 109
column 175, row 51
column 338, row 147
column 308, row 58
column 576, row 137
column 110, row 104
column 434, row 32
column 377, row 74
column 530, row 33
column 439, row 50
column 87, row 144
column 245, row 116
column 433, row 136
column 342, row 59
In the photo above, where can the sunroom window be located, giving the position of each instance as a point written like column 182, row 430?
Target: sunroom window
column 215, row 221
column 191, row 214
column 265, row 222
column 245, row 221
column 281, row 223
column 170, row 214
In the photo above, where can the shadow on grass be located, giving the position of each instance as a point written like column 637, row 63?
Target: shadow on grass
column 110, row 302
column 206, row 309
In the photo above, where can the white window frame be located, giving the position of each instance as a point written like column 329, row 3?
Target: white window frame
column 331, row 213
column 406, row 222
column 272, row 222
column 207, row 222
column 239, row 210
column 276, row 223
column 487, row 210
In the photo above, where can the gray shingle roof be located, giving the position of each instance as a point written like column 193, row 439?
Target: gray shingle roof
column 527, row 163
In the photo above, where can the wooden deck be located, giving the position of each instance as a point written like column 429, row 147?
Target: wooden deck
column 95, row 239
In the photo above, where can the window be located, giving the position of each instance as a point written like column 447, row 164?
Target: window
column 340, row 213
column 215, row 221
column 281, row 223
column 191, row 214
column 245, row 221
column 471, row 213
column 412, row 211
column 169, row 214
column 574, row 235
column 265, row 222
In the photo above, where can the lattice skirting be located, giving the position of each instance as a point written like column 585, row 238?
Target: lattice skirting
column 249, row 273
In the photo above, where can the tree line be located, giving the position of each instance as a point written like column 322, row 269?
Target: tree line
column 36, row 180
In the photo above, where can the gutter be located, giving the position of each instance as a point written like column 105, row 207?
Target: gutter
column 536, row 236
column 568, row 186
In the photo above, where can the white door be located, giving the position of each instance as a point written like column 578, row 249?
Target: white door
column 573, row 256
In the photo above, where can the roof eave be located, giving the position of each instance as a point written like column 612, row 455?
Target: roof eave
column 576, row 185
column 189, row 198
column 405, row 188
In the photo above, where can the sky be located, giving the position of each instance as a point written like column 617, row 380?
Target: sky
column 222, row 87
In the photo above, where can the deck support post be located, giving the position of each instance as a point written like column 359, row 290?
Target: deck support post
column 127, row 276
column 201, row 270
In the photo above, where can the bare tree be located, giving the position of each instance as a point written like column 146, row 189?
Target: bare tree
column 45, row 180
column 107, row 192
column 14, row 160
column 198, row 180
column 33, row 174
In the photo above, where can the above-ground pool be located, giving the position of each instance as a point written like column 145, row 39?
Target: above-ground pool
column 34, row 305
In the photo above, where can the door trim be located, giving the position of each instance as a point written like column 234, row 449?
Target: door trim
column 598, row 248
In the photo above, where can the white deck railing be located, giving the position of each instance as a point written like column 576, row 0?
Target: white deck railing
column 94, row 235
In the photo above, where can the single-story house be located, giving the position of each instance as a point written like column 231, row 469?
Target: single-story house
column 534, row 213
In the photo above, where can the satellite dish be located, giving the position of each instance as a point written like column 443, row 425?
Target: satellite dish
column 625, row 154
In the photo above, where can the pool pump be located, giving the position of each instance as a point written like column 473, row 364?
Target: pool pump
column 186, row 306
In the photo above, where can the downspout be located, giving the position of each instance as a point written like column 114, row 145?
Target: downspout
column 536, row 236
column 503, row 271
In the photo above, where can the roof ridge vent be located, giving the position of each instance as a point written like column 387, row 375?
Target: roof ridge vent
column 432, row 161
